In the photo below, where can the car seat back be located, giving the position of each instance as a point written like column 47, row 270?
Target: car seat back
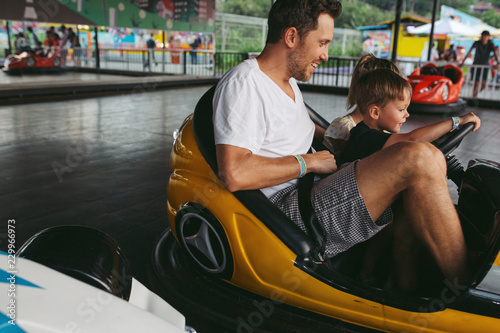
column 451, row 74
column 429, row 70
column 254, row 200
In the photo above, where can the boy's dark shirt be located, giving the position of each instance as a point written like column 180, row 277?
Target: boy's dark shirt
column 363, row 141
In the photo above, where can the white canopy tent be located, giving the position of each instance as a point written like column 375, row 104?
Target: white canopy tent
column 484, row 26
column 447, row 26
column 495, row 32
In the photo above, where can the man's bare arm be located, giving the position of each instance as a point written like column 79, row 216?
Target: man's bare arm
column 319, row 132
column 239, row 169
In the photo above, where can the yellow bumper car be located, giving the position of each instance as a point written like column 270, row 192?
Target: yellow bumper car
column 242, row 238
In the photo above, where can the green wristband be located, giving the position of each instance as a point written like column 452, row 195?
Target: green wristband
column 303, row 166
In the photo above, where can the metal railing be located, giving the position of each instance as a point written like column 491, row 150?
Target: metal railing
column 226, row 60
column 336, row 72
column 161, row 61
column 477, row 73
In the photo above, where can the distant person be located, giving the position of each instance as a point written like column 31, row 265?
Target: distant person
column 150, row 44
column 434, row 54
column 64, row 36
column 49, row 38
column 38, row 49
column 194, row 45
column 48, row 41
column 22, row 43
column 483, row 47
column 74, row 42
column 494, row 66
column 64, row 33
column 57, row 41
column 450, row 55
column 139, row 41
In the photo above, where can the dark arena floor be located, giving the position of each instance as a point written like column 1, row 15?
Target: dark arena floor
column 103, row 162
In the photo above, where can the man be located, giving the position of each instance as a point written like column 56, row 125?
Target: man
column 262, row 135
column 452, row 54
column 194, row 45
column 22, row 43
column 483, row 48
column 434, row 54
column 64, row 34
column 150, row 44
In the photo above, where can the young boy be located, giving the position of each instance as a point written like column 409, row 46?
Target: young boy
column 337, row 134
column 383, row 98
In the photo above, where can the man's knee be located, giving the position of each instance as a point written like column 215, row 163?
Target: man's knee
column 438, row 156
column 418, row 157
column 417, row 151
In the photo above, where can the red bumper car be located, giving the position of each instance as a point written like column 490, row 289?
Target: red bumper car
column 33, row 60
column 436, row 89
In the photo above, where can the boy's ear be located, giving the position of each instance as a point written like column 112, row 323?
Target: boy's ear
column 291, row 37
column 374, row 112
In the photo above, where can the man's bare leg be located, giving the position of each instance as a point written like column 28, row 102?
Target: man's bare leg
column 376, row 248
column 406, row 250
column 417, row 172
column 483, row 85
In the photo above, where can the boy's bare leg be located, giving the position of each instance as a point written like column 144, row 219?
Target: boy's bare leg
column 417, row 171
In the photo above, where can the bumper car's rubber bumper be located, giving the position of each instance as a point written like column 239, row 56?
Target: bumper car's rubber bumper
column 452, row 107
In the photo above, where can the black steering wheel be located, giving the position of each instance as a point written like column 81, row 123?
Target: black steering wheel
column 450, row 141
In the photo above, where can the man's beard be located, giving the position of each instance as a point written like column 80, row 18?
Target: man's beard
column 296, row 67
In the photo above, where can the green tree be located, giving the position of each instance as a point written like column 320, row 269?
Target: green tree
column 421, row 7
column 256, row 8
column 492, row 18
column 356, row 14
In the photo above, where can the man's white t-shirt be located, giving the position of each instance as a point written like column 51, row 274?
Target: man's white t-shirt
column 252, row 112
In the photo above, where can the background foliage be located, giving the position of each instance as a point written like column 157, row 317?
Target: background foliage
column 364, row 12
column 355, row 13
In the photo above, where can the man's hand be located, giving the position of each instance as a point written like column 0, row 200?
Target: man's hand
column 321, row 162
column 471, row 118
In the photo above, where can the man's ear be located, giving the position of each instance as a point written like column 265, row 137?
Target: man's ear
column 291, row 37
column 374, row 111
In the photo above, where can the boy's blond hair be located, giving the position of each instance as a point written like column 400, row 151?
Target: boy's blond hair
column 366, row 64
column 379, row 87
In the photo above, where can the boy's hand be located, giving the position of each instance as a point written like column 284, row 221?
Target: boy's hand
column 471, row 118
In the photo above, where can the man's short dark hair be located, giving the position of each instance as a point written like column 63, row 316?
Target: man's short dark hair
column 379, row 87
column 301, row 14
column 485, row 33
